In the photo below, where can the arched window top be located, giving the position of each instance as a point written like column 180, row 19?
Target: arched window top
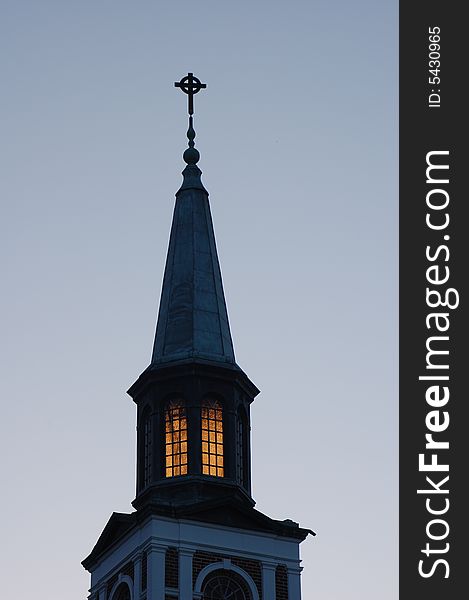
column 212, row 404
column 122, row 592
column 175, row 438
column 212, row 437
column 223, row 585
column 176, row 404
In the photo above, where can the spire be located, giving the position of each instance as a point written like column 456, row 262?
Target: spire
column 192, row 320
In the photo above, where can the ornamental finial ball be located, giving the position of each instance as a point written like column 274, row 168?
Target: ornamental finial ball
column 191, row 156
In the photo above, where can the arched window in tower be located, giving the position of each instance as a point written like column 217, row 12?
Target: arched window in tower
column 225, row 585
column 122, row 592
column 241, row 429
column 212, row 438
column 147, row 449
column 175, row 439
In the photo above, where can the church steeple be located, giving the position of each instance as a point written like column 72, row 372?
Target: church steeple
column 195, row 532
column 192, row 320
column 193, row 422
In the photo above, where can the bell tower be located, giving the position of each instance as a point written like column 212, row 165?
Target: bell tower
column 195, row 533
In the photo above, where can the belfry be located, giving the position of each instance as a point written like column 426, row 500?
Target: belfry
column 194, row 533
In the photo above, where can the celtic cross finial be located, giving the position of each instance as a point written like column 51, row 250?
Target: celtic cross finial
column 190, row 85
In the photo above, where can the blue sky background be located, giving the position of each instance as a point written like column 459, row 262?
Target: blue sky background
column 298, row 138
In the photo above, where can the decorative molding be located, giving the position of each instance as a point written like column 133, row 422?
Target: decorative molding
column 294, row 570
column 185, row 551
column 156, row 534
column 152, row 546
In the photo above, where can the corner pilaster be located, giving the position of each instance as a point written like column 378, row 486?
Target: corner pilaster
column 137, row 577
column 294, row 583
column 185, row 574
column 156, row 557
column 268, row 580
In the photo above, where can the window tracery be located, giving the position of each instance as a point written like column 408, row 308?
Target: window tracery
column 223, row 585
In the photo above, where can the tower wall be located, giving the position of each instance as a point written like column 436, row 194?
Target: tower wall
column 164, row 559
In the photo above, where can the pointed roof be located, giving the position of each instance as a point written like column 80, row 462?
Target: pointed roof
column 192, row 320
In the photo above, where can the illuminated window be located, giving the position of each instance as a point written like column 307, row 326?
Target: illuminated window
column 176, row 439
column 147, row 446
column 212, row 438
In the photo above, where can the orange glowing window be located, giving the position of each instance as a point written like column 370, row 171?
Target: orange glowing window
column 212, row 438
column 176, row 439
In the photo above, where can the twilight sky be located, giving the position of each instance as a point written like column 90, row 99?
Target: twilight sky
column 297, row 132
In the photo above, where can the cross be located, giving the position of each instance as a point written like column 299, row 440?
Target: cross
column 190, row 85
